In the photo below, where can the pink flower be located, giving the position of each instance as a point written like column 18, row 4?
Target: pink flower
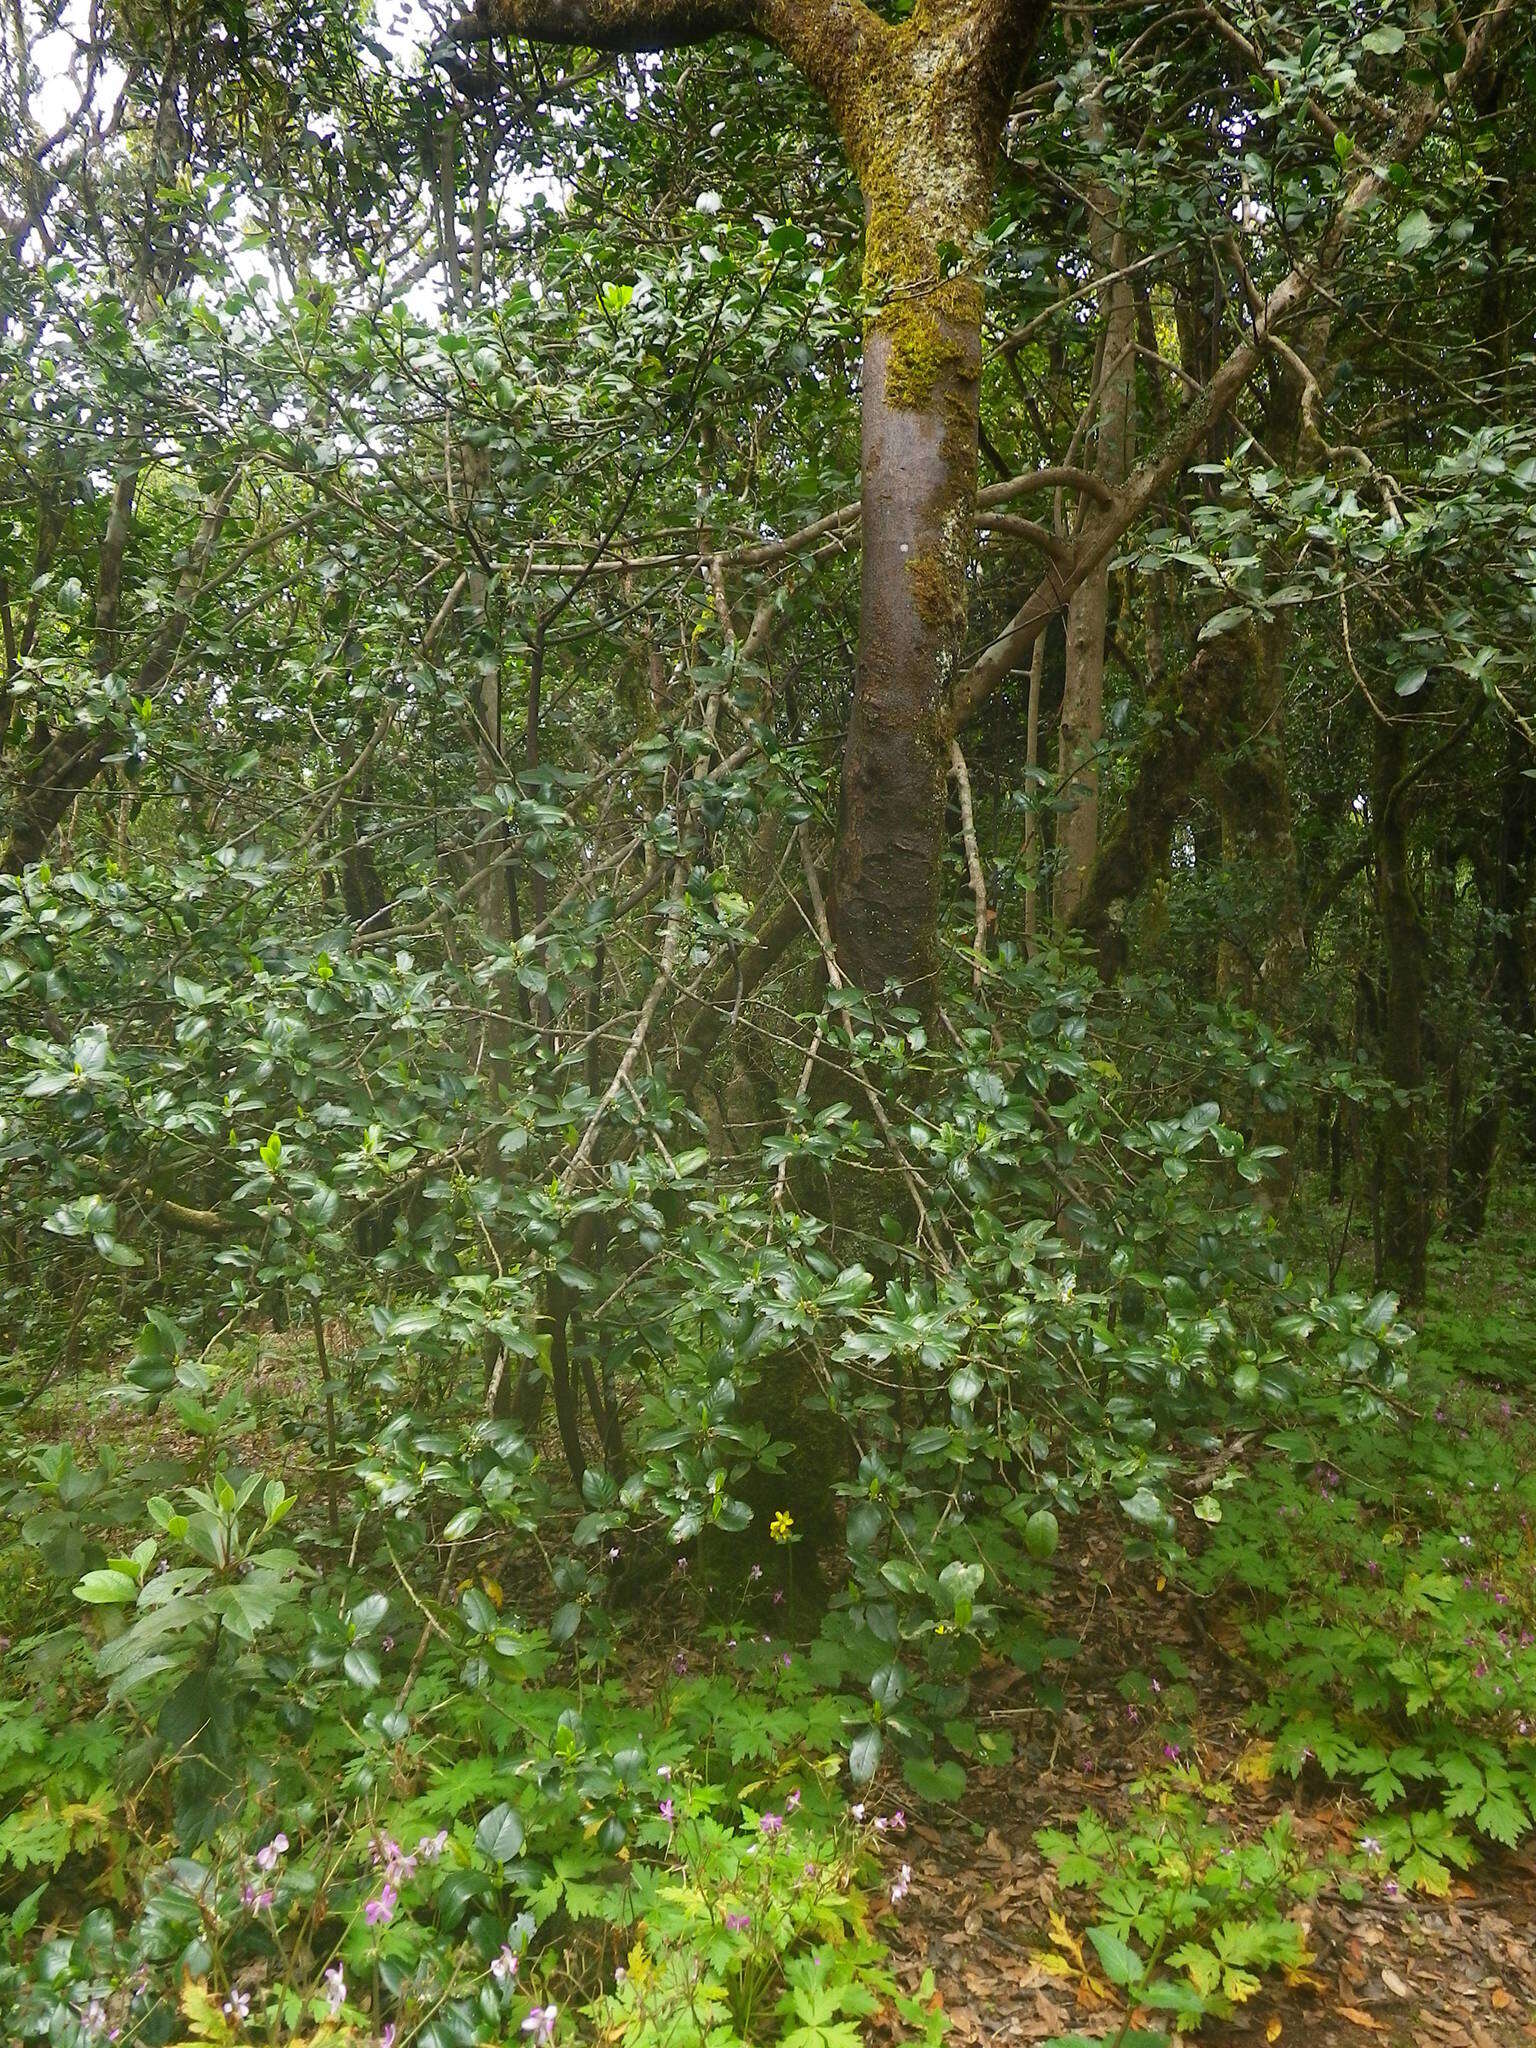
column 387, row 2038
column 902, row 1885
column 335, row 1989
column 540, row 2023
column 772, row 1823
column 738, row 1923
column 504, row 1968
column 238, row 2006
column 430, row 1847
column 665, row 1810
column 792, row 1801
column 274, row 1852
column 380, row 1911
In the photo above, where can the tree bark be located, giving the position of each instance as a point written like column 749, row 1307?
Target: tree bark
column 1404, row 1187
column 1081, row 731
column 1194, row 710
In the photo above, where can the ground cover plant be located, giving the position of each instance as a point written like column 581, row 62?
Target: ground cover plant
column 767, row 841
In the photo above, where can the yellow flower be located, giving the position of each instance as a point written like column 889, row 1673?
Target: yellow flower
column 781, row 1525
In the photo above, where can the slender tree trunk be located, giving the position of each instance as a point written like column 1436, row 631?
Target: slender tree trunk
column 1403, row 1172
column 1514, row 939
column 1033, row 877
column 1082, row 706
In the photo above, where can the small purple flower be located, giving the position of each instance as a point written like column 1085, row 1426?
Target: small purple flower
column 504, row 1967
column 540, row 2023
column 772, row 1823
column 754, row 1575
column 738, row 1923
column 1171, row 1751
column 238, row 2006
column 665, row 1810
column 335, row 1989
column 792, row 1801
column 272, row 1855
column 430, row 1847
column 680, row 1665
column 387, row 2038
column 664, row 1772
column 902, row 1885
column 380, row 1911
column 1369, row 1846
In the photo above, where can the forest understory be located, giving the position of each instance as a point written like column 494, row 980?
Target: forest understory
column 767, row 1023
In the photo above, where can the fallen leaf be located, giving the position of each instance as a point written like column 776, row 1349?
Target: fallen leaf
column 1357, row 2018
column 1394, row 1984
column 1272, row 2031
column 1256, row 1764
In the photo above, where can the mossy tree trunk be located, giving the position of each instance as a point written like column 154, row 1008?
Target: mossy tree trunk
column 920, row 108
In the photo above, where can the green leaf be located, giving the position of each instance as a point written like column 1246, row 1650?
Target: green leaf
column 864, row 1754
column 931, row 1780
column 1415, row 231
column 361, row 1666
column 1121, row 1963
column 500, row 1834
column 107, row 1588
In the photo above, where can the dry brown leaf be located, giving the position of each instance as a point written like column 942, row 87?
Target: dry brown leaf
column 1359, row 2018
column 1395, row 1984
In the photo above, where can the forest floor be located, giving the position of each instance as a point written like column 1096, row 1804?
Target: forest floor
column 986, row 1912
column 1390, row 1969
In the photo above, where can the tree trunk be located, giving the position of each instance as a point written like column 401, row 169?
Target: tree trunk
column 1082, row 705
column 919, row 466
column 1189, row 713
column 922, row 119
column 1515, row 872
column 1403, row 1177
